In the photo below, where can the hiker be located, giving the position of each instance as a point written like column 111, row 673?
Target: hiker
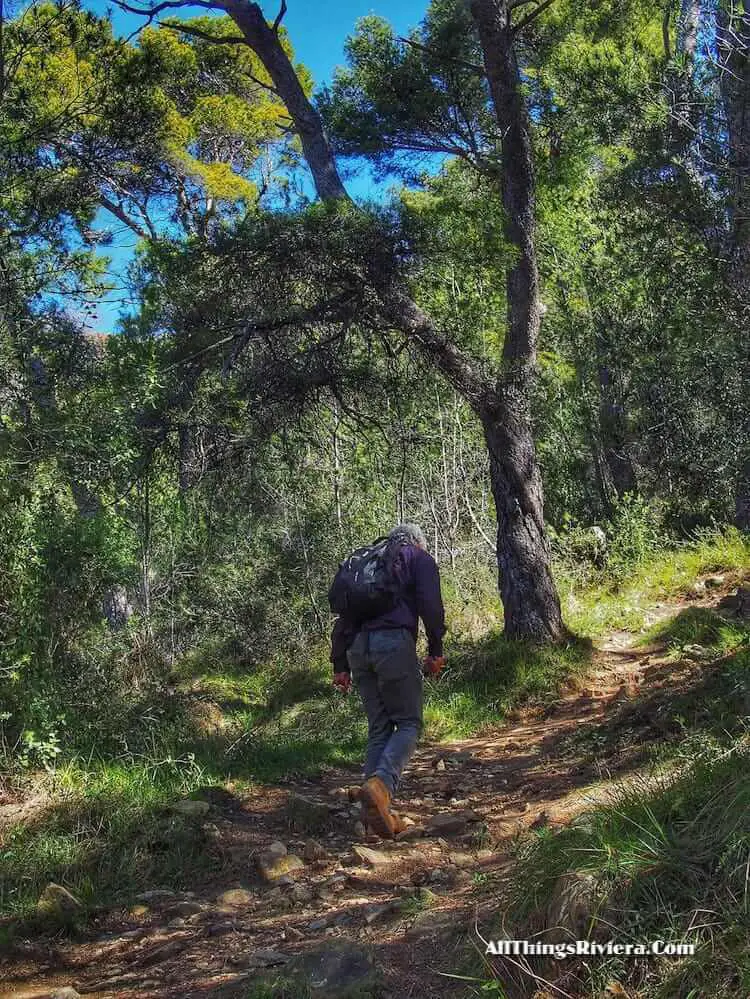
column 380, row 593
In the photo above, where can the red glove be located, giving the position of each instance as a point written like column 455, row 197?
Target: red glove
column 433, row 665
column 342, row 682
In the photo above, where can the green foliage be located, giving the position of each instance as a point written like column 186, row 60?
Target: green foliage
column 400, row 99
column 204, row 471
column 106, row 834
column 659, row 851
column 623, row 603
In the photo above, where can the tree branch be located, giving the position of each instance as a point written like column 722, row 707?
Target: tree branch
column 227, row 40
column 151, row 11
column 119, row 213
column 532, row 16
column 459, row 62
column 205, row 35
column 279, row 17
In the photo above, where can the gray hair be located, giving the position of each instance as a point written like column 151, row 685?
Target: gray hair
column 408, row 534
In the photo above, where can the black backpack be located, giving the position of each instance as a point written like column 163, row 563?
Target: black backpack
column 366, row 584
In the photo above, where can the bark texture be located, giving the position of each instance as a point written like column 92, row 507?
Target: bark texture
column 687, row 28
column 733, row 44
column 522, row 548
column 733, row 40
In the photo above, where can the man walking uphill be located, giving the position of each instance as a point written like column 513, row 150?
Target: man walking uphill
column 380, row 593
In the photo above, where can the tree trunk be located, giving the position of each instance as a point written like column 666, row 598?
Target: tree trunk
column 733, row 39
column 492, row 19
column 733, row 43
column 687, row 29
column 530, row 601
column 614, row 433
column 531, row 606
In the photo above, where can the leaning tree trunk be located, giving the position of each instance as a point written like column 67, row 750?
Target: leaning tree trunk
column 733, row 43
column 532, row 609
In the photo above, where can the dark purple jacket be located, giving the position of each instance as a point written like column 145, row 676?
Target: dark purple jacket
column 419, row 598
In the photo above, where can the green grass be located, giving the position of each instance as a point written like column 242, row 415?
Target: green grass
column 713, row 697
column 106, row 830
column 489, row 678
column 602, row 605
column 669, row 857
column 699, row 626
column 107, row 833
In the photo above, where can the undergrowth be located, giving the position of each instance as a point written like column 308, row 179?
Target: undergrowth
column 668, row 858
column 105, row 829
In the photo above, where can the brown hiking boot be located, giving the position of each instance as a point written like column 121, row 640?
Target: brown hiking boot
column 376, row 802
column 399, row 825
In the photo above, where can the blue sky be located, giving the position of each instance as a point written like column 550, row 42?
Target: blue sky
column 318, row 32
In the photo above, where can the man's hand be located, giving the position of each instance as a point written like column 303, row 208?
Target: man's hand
column 433, row 665
column 342, row 682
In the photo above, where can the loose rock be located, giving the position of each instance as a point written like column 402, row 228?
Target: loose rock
column 373, row 858
column 447, row 824
column 191, row 808
column 432, row 924
column 337, row 970
column 305, row 815
column 273, row 864
column 301, row 895
column 314, row 851
column 410, row 833
column 58, row 902
column 235, row 897
column 461, row 859
column 374, row 912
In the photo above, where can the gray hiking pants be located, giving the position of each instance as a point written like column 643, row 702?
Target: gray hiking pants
column 387, row 674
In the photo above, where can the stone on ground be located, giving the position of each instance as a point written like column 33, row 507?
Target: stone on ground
column 305, row 815
column 447, row 824
column 58, row 902
column 432, row 924
column 314, row 851
column 337, row 969
column 461, row 859
column 191, row 808
column 275, row 863
column 235, row 897
column 373, row 858
column 272, row 868
column 411, row 832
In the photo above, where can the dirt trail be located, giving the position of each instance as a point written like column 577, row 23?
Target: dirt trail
column 410, row 903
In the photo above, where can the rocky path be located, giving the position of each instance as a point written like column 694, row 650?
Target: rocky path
column 299, row 890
